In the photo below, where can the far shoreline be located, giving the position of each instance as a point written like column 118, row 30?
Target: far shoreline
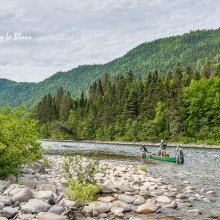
column 131, row 143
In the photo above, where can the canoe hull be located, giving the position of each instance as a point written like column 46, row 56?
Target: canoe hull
column 165, row 159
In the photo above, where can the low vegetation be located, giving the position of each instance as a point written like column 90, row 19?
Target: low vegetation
column 80, row 172
column 143, row 169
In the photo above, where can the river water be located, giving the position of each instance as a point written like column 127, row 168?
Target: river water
column 201, row 167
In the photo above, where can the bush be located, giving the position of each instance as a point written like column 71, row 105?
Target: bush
column 19, row 137
column 82, row 185
column 83, row 193
column 83, row 169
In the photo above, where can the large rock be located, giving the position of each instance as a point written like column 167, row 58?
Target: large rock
column 9, row 212
column 99, row 207
column 122, row 204
column 126, row 198
column 108, row 187
column 106, row 199
column 172, row 205
column 6, row 200
column 139, row 200
column 115, row 209
column 39, row 167
column 147, row 208
column 44, row 195
column 50, row 216
column 35, row 206
column 26, row 217
column 48, row 187
column 163, row 199
column 57, row 209
column 28, row 180
column 67, row 203
column 23, row 195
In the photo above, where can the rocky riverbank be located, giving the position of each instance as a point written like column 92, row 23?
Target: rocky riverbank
column 128, row 192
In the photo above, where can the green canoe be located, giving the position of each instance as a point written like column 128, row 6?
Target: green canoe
column 165, row 159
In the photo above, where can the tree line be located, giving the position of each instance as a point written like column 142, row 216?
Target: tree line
column 182, row 105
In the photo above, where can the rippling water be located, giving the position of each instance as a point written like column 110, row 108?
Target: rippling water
column 201, row 167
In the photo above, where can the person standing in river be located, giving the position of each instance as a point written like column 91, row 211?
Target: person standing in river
column 179, row 155
column 144, row 151
column 163, row 147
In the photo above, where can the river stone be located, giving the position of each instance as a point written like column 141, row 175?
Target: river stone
column 67, row 203
column 99, row 207
column 139, row 200
column 115, row 209
column 24, row 195
column 210, row 192
column 2, row 205
column 48, row 187
column 39, row 167
column 163, row 199
column 108, row 187
column 57, row 209
column 9, row 212
column 147, row 208
column 26, row 217
column 3, row 185
column 35, row 206
column 10, row 178
column 195, row 211
column 126, row 198
column 103, row 215
column 215, row 213
column 50, row 216
column 106, row 199
column 172, row 205
column 122, row 204
column 28, row 180
column 6, row 200
column 44, row 195
column 181, row 196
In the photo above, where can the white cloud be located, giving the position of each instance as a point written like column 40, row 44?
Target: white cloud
column 68, row 33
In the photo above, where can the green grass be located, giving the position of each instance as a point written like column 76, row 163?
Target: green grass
column 144, row 169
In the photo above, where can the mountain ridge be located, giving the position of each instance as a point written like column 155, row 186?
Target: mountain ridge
column 190, row 49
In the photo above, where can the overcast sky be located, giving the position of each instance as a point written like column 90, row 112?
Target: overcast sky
column 62, row 34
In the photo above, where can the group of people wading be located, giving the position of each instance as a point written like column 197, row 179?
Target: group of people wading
column 163, row 153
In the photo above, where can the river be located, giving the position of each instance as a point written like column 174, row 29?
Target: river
column 201, row 167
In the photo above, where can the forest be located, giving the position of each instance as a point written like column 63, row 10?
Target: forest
column 190, row 49
column 182, row 105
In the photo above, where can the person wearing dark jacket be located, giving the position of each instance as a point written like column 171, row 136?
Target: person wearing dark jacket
column 144, row 150
column 179, row 155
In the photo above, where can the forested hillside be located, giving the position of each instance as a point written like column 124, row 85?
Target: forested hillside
column 193, row 50
column 180, row 106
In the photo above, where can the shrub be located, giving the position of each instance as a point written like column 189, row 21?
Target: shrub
column 81, row 168
column 81, row 171
column 83, row 193
column 18, row 140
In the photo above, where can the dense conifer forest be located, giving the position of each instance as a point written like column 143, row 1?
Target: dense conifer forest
column 182, row 105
